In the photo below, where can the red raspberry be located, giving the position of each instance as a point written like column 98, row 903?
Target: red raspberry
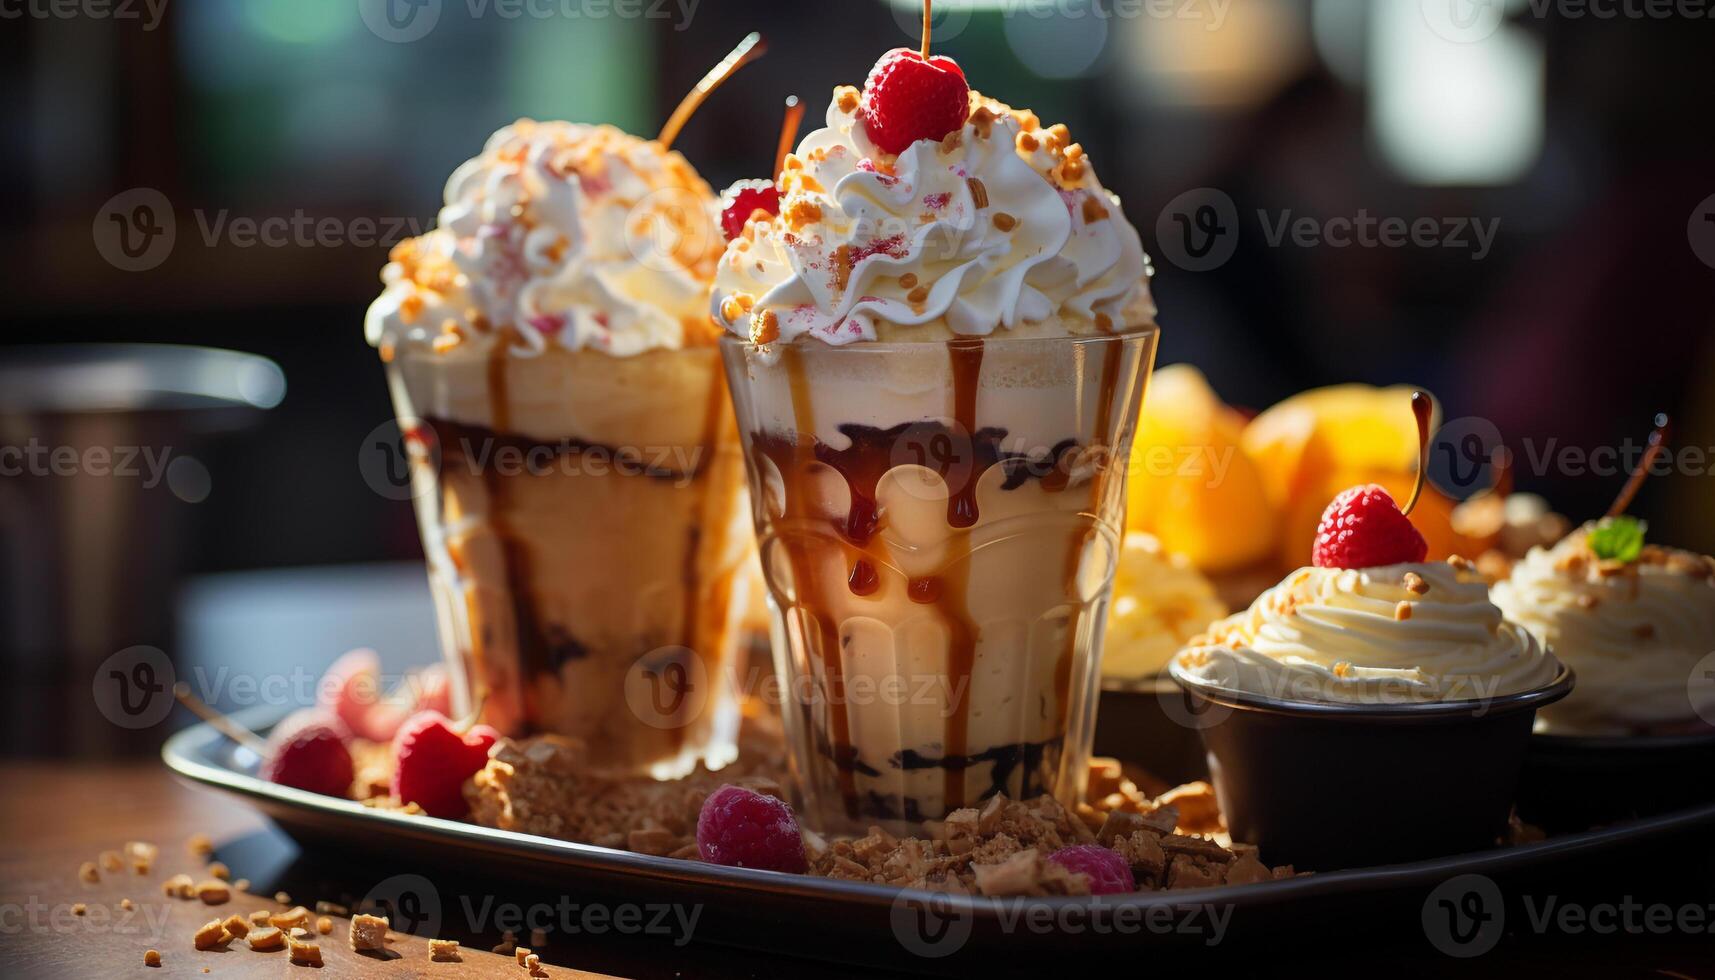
column 908, row 98
column 744, row 199
column 1363, row 528
column 311, row 751
column 744, row 829
column 1109, row 873
column 431, row 762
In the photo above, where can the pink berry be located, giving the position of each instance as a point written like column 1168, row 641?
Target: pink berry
column 310, row 751
column 744, row 829
column 351, row 689
column 1109, row 873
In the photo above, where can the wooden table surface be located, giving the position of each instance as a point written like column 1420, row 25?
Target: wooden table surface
column 69, row 815
column 54, row 816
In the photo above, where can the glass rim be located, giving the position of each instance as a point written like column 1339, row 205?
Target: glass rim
column 995, row 341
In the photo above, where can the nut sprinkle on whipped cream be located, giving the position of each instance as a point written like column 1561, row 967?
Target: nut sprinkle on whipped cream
column 558, row 234
column 1392, row 634
column 1001, row 223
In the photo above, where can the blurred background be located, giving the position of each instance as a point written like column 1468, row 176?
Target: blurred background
column 1554, row 165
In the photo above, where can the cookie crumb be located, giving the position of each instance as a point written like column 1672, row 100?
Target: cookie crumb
column 89, row 873
column 179, row 886
column 125, row 904
column 332, row 908
column 304, row 953
column 200, row 845
column 282, row 898
column 211, row 934
column 151, row 957
column 523, row 954
column 111, row 861
column 444, row 950
column 368, row 933
column 324, row 925
column 295, row 916
column 266, row 939
column 221, row 871
column 78, row 908
column 214, row 892
column 236, row 926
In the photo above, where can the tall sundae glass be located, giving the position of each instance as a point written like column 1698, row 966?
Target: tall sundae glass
column 578, row 478
column 937, row 350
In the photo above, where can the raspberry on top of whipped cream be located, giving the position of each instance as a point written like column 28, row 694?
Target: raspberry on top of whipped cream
column 1001, row 223
column 1633, row 626
column 1391, row 634
column 558, row 234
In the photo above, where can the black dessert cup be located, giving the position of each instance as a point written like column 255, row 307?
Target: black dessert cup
column 1575, row 782
column 1325, row 786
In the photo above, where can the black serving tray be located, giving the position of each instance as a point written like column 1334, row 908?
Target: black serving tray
column 853, row 921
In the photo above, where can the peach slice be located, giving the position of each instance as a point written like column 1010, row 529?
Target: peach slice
column 1190, row 482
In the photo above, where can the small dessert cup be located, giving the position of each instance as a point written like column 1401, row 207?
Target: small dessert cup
column 1324, row 786
column 939, row 526
column 1575, row 782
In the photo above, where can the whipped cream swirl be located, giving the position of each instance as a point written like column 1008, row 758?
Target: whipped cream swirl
column 1394, row 634
column 558, row 234
column 1001, row 224
column 1633, row 632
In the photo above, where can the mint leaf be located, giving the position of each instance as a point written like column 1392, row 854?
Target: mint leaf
column 1618, row 539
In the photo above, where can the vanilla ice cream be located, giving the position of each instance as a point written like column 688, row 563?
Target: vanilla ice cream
column 1161, row 602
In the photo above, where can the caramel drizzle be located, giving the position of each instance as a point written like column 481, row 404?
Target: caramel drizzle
column 705, row 602
column 860, row 523
column 966, row 356
column 527, row 634
column 861, row 467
